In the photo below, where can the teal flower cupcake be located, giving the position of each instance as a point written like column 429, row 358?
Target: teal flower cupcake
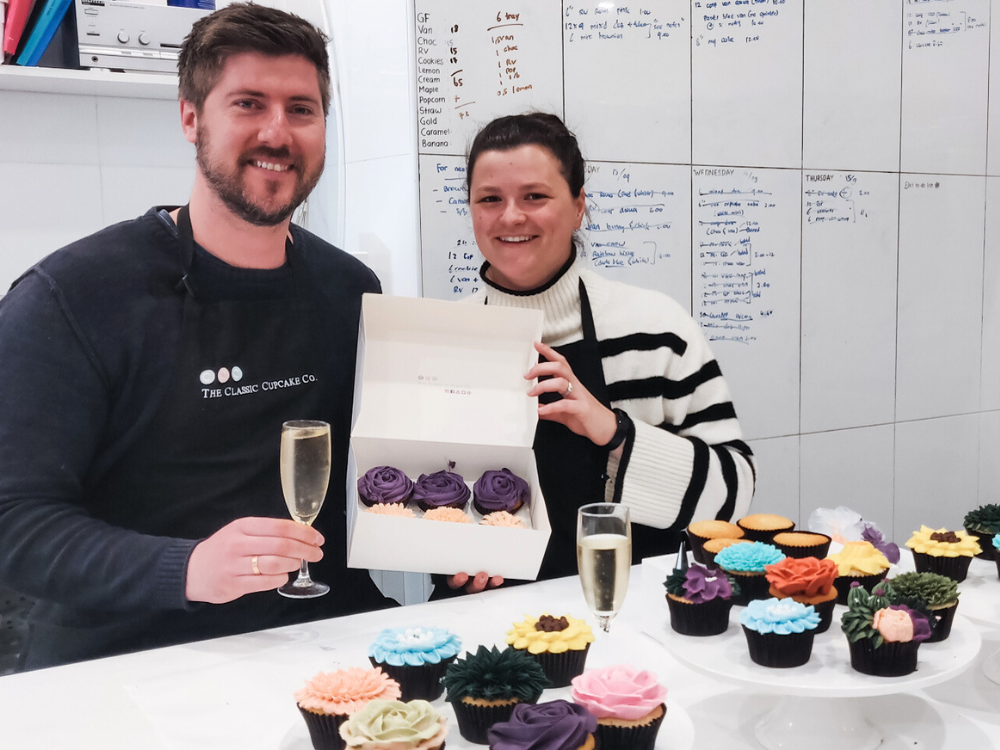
column 745, row 562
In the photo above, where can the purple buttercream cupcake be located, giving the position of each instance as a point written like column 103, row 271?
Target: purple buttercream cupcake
column 499, row 490
column 442, row 489
column 384, row 485
column 556, row 725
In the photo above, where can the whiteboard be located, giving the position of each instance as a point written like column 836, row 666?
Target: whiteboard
column 815, row 180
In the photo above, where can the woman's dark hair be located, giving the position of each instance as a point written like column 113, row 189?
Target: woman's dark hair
column 244, row 27
column 533, row 129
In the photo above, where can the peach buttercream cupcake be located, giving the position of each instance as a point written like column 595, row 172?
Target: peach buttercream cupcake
column 449, row 515
column 504, row 519
column 394, row 509
column 329, row 698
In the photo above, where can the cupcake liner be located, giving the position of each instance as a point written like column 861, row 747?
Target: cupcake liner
column 697, row 545
column 708, row 618
column 423, row 682
column 763, row 535
column 843, row 584
column 474, row 721
column 635, row 737
column 998, row 565
column 985, row 543
column 825, row 612
column 888, row 660
column 482, row 510
column 941, row 622
column 779, row 651
column 562, row 668
column 955, row 568
column 324, row 729
column 752, row 586
column 819, row 551
column 428, row 506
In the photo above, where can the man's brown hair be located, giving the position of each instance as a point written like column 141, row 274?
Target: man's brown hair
column 244, row 27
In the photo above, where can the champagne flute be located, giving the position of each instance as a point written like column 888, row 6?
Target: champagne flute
column 604, row 558
column 305, row 474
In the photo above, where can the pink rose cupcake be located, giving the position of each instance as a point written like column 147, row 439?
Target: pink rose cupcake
column 628, row 704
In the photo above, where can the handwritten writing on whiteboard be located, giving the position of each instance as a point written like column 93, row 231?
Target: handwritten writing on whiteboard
column 735, row 22
column 926, row 28
column 626, row 220
column 451, row 267
column 598, row 22
column 732, row 258
column 434, row 59
column 834, row 198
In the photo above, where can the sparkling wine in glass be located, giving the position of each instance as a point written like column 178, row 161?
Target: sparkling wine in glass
column 305, row 474
column 604, row 558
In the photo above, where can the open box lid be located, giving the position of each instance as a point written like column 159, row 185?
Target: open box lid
column 433, row 370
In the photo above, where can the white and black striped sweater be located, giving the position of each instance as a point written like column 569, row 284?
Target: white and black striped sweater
column 686, row 459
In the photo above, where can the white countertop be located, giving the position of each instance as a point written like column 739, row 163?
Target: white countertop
column 236, row 692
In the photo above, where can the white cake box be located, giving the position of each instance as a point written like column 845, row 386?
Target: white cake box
column 440, row 383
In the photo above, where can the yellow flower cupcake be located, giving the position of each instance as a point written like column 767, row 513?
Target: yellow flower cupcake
column 559, row 644
column 861, row 562
column 947, row 553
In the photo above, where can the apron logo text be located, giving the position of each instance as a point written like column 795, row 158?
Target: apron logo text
column 267, row 385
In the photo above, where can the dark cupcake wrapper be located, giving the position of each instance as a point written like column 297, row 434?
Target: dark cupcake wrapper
column 819, row 551
column 474, row 721
column 324, row 729
column 998, row 566
column 843, row 584
column 888, row 660
column 825, row 612
column 955, row 568
column 697, row 545
column 423, row 682
column 708, row 618
column 752, row 586
column 985, row 543
column 779, row 651
column 763, row 535
column 483, row 510
column 431, row 506
column 562, row 668
column 638, row 737
column 941, row 621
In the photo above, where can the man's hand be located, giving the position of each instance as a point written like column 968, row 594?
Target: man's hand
column 473, row 585
column 221, row 567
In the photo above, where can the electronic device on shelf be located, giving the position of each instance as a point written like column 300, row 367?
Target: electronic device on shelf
column 122, row 35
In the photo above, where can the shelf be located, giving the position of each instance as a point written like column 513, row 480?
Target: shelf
column 88, row 82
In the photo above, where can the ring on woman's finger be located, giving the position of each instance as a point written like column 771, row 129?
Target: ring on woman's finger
column 569, row 388
column 253, row 565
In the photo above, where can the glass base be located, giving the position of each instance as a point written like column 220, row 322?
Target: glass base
column 307, row 589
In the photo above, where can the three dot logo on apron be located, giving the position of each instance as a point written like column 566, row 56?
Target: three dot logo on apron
column 208, row 377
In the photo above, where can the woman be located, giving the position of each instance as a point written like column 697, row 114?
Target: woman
column 632, row 404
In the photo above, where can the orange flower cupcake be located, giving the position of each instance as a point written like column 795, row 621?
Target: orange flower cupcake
column 806, row 580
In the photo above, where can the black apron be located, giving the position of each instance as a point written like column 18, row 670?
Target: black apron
column 571, row 468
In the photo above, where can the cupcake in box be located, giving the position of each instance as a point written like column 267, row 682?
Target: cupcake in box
column 628, row 704
column 416, row 658
column 329, row 698
column 500, row 491
column 394, row 725
column 807, row 581
column 947, row 553
column 699, row 598
column 484, row 687
column 559, row 644
column 700, row 532
column 745, row 563
column 858, row 562
column 442, row 489
column 761, row 527
column 556, row 725
column 939, row 594
column 984, row 524
column 883, row 637
column 384, row 485
column 779, row 632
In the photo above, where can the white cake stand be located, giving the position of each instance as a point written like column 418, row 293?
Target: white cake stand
column 979, row 600
column 820, row 707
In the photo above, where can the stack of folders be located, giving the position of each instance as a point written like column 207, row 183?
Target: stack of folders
column 28, row 27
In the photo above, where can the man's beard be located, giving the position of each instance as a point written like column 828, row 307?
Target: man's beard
column 228, row 185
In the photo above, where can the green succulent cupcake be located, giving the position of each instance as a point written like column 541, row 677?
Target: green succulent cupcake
column 484, row 687
column 984, row 523
column 883, row 633
column 938, row 593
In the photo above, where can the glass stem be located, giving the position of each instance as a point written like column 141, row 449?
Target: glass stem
column 303, row 579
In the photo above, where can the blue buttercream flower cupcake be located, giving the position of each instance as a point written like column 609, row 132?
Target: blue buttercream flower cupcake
column 745, row 562
column 416, row 658
column 996, row 551
column 779, row 632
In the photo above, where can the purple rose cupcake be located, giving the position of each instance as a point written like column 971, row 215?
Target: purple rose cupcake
column 385, row 485
column 556, row 725
column 499, row 490
column 442, row 489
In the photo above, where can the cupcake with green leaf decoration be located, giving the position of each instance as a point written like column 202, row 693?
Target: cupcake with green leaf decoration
column 940, row 595
column 883, row 636
column 984, row 523
column 484, row 687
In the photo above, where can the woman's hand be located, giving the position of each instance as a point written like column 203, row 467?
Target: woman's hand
column 577, row 409
column 474, row 584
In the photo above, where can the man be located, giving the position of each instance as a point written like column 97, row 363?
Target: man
column 145, row 372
